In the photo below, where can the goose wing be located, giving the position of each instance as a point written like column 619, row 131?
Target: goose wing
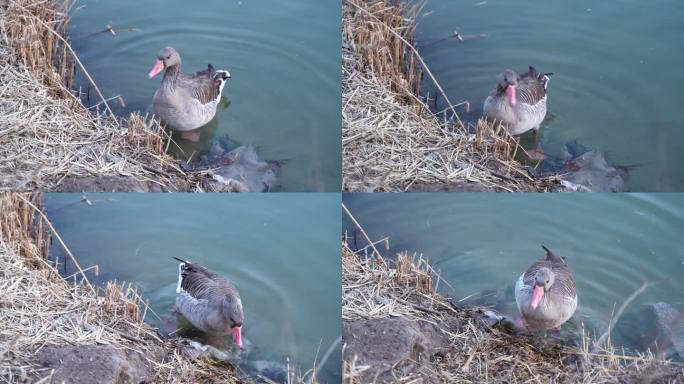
column 532, row 87
column 203, row 284
column 204, row 86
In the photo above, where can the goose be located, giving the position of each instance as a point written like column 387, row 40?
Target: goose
column 545, row 294
column 519, row 103
column 209, row 301
column 186, row 102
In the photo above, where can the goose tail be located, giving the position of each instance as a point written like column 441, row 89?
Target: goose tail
column 222, row 77
column 181, row 265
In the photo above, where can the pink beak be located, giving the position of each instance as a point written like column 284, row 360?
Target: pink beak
column 237, row 336
column 158, row 67
column 510, row 94
column 537, row 294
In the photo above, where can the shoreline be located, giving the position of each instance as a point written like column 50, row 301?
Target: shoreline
column 391, row 140
column 435, row 339
column 65, row 329
column 51, row 142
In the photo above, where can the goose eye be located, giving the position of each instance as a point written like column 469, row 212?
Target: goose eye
column 168, row 57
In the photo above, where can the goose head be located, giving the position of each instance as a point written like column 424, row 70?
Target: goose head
column 506, row 83
column 543, row 281
column 232, row 310
column 167, row 57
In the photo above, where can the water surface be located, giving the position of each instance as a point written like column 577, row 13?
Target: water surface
column 281, row 250
column 284, row 58
column 617, row 79
column 482, row 241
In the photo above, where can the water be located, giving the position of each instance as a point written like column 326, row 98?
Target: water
column 281, row 250
column 284, row 58
column 617, row 78
column 483, row 241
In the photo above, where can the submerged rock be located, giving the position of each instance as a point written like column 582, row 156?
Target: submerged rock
column 585, row 170
column 590, row 171
column 96, row 364
column 238, row 168
column 658, row 327
column 391, row 346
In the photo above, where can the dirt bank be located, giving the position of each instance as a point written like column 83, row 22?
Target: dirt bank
column 390, row 139
column 69, row 331
column 397, row 328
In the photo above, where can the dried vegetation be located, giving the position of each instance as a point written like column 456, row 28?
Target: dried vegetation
column 40, row 309
column 46, row 134
column 376, row 288
column 391, row 141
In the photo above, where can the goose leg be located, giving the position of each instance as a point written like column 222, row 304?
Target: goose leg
column 193, row 136
column 537, row 153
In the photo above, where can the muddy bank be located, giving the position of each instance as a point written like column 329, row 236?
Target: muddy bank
column 397, row 328
column 68, row 330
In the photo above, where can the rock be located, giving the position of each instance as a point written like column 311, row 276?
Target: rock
column 590, row 171
column 95, row 364
column 236, row 168
column 390, row 347
column 194, row 350
column 658, row 327
column 276, row 372
column 585, row 170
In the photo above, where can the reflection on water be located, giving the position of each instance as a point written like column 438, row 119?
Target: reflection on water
column 284, row 59
column 281, row 251
column 483, row 242
column 616, row 70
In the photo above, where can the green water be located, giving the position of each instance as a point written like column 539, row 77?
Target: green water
column 617, row 75
column 284, row 58
column 481, row 241
column 281, row 250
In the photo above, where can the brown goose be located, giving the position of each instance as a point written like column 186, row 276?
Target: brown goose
column 546, row 293
column 209, row 301
column 519, row 103
column 183, row 101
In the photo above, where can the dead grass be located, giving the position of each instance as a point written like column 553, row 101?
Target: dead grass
column 373, row 287
column 41, row 309
column 46, row 134
column 390, row 139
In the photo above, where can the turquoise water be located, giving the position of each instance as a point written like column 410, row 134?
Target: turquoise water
column 481, row 242
column 617, row 78
column 284, row 58
column 281, row 250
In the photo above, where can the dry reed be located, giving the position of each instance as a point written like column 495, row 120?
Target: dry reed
column 390, row 139
column 46, row 134
column 477, row 353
